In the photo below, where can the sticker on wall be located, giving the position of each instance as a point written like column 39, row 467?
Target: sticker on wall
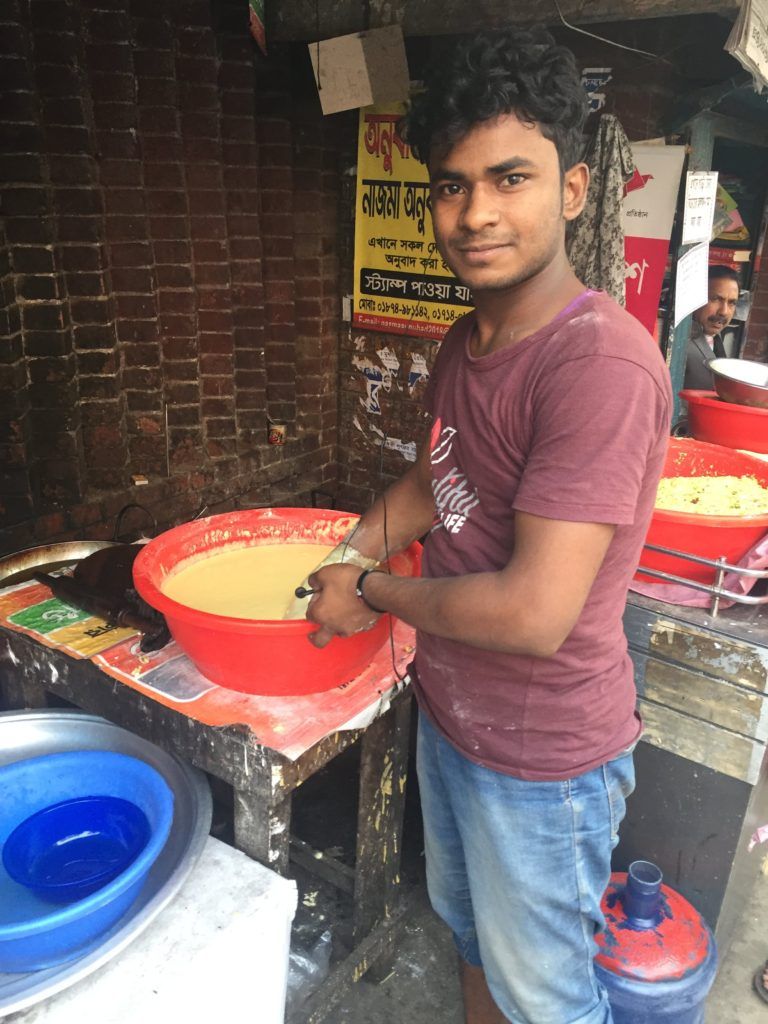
column 389, row 360
column 418, row 371
column 406, row 448
column 593, row 80
column 375, row 379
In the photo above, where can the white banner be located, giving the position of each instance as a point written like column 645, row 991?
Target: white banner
column 650, row 196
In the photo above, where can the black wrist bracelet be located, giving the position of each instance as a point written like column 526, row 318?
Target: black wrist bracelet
column 361, row 595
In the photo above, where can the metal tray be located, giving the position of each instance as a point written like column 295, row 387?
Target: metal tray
column 18, row 567
column 26, row 734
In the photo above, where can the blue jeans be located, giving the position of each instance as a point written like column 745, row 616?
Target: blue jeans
column 517, row 871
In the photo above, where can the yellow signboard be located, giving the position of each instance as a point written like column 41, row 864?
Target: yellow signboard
column 402, row 285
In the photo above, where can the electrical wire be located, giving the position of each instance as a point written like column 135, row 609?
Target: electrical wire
column 602, row 39
column 400, row 678
column 317, row 24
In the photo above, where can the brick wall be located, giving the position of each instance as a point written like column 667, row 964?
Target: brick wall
column 756, row 332
column 176, row 233
column 756, row 341
column 167, row 253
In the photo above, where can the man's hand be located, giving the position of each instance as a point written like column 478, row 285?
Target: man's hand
column 336, row 608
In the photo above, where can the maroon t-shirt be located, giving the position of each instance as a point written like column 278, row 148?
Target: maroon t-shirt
column 571, row 423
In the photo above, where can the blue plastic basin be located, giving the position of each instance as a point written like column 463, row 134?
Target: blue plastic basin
column 33, row 936
column 69, row 850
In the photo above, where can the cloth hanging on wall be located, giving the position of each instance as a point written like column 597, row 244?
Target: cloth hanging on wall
column 596, row 240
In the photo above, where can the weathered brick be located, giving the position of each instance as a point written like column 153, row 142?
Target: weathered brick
column 81, row 257
column 138, row 353
column 120, row 172
column 132, row 279
column 44, row 317
column 131, row 254
column 168, row 228
column 97, row 363
column 174, row 276
column 180, row 348
column 98, row 388
column 86, row 284
column 37, row 286
column 125, row 201
column 93, row 310
column 172, row 252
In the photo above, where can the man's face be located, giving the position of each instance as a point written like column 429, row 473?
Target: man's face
column 718, row 312
column 500, row 202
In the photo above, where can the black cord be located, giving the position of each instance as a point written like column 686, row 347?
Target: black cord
column 348, row 540
column 317, row 23
column 400, row 678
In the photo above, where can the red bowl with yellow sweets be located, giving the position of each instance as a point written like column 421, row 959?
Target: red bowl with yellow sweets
column 265, row 656
column 709, row 536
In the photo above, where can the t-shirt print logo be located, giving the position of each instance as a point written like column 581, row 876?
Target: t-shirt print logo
column 455, row 497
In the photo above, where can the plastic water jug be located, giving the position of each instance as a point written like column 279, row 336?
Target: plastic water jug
column 657, row 957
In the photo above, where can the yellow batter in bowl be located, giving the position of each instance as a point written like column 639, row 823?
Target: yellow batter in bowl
column 246, row 582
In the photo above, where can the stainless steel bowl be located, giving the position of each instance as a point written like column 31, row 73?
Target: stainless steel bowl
column 741, row 381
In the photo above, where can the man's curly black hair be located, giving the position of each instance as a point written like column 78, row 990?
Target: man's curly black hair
column 522, row 72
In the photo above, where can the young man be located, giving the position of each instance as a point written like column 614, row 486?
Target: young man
column 550, row 413
column 705, row 343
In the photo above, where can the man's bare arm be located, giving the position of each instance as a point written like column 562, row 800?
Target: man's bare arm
column 529, row 607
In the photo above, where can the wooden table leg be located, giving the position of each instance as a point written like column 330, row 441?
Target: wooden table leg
column 20, row 685
column 263, row 831
column 383, row 770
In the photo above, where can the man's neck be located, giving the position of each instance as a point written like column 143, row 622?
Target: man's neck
column 507, row 317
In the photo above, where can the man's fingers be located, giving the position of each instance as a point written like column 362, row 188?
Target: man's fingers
column 321, row 637
column 310, row 612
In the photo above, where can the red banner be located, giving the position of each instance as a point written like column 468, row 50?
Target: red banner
column 648, row 213
column 646, row 261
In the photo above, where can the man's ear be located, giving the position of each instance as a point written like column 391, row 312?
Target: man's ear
column 575, row 186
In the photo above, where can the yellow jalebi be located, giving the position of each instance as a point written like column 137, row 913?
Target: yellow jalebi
column 713, row 495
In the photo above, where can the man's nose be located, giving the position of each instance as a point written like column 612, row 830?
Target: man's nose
column 480, row 210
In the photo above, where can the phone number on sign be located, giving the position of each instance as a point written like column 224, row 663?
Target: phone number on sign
column 440, row 314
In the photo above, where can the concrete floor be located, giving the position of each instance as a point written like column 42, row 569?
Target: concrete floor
column 733, row 1000
column 423, row 989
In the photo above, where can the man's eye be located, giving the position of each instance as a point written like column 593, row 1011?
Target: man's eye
column 514, row 179
column 449, row 188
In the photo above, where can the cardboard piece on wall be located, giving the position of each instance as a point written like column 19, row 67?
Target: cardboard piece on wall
column 360, row 69
column 691, row 281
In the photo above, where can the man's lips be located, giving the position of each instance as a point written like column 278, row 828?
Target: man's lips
column 488, row 247
column 479, row 253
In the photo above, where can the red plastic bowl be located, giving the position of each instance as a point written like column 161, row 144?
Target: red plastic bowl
column 714, row 537
column 260, row 656
column 735, row 426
